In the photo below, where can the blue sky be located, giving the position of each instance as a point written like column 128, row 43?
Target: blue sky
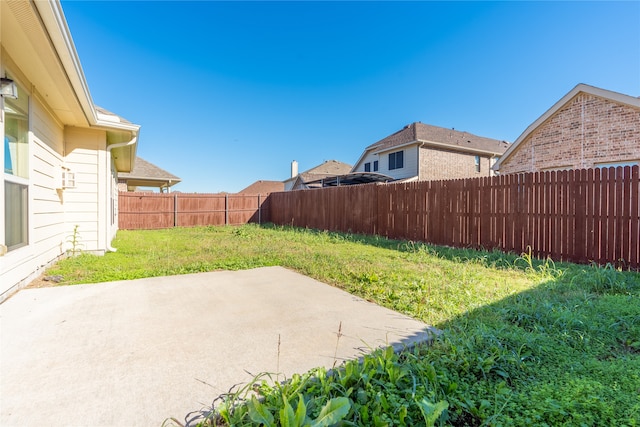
column 228, row 93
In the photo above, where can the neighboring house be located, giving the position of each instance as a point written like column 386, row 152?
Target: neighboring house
column 61, row 153
column 426, row 152
column 263, row 187
column 588, row 127
column 326, row 170
column 146, row 174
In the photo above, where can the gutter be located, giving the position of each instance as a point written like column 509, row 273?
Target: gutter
column 108, row 246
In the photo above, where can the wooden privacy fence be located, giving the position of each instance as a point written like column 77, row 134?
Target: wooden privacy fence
column 579, row 215
column 165, row 210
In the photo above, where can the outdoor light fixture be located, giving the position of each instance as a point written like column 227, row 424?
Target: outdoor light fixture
column 8, row 88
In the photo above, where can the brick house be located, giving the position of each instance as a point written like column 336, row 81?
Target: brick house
column 425, row 152
column 588, row 127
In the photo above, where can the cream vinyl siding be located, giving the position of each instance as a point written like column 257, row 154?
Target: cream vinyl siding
column 410, row 163
column 46, row 209
column 369, row 158
column 84, row 204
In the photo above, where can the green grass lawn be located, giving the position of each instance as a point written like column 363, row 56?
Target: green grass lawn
column 525, row 342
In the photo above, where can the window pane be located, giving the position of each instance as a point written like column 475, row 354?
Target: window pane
column 16, row 135
column 375, row 166
column 15, row 214
column 367, row 167
column 396, row 160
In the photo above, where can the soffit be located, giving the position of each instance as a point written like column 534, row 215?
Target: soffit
column 30, row 48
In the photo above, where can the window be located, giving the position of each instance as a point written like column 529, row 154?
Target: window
column 477, row 163
column 15, row 214
column 396, row 160
column 16, row 170
column 367, row 167
column 375, row 166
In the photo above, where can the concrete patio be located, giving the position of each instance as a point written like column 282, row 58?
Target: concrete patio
column 133, row 353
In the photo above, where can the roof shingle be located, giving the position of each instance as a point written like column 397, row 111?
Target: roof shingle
column 146, row 170
column 420, row 132
column 263, row 187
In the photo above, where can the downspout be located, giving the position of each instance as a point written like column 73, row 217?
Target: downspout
column 109, row 248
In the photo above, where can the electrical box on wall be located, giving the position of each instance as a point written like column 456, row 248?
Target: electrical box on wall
column 68, row 179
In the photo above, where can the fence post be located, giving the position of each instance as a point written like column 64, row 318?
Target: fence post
column 175, row 209
column 226, row 209
column 259, row 210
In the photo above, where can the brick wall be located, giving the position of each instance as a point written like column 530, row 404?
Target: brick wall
column 586, row 132
column 440, row 164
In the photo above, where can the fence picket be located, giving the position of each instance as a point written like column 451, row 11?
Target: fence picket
column 582, row 216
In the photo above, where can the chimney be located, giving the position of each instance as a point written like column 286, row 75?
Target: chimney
column 294, row 169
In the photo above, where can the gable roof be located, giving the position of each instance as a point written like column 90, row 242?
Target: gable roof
column 146, row 174
column 263, row 187
column 579, row 88
column 440, row 137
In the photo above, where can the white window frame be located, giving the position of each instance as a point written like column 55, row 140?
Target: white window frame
column 15, row 179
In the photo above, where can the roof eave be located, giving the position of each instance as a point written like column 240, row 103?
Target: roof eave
column 55, row 23
column 53, row 19
column 472, row 150
column 443, row 145
column 396, row 147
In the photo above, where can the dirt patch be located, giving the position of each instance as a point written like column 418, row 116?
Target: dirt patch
column 42, row 281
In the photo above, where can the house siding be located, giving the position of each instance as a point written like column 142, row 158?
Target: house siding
column 86, row 157
column 368, row 158
column 442, row 164
column 46, row 201
column 587, row 131
column 410, row 162
column 46, row 210
column 39, row 56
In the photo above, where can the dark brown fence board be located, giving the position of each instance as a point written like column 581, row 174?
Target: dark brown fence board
column 165, row 210
column 635, row 217
column 582, row 215
column 627, row 224
column 579, row 196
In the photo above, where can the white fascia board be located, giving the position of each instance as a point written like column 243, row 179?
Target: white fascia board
column 108, row 125
column 360, row 159
column 396, row 147
column 449, row 147
column 581, row 87
column 54, row 21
